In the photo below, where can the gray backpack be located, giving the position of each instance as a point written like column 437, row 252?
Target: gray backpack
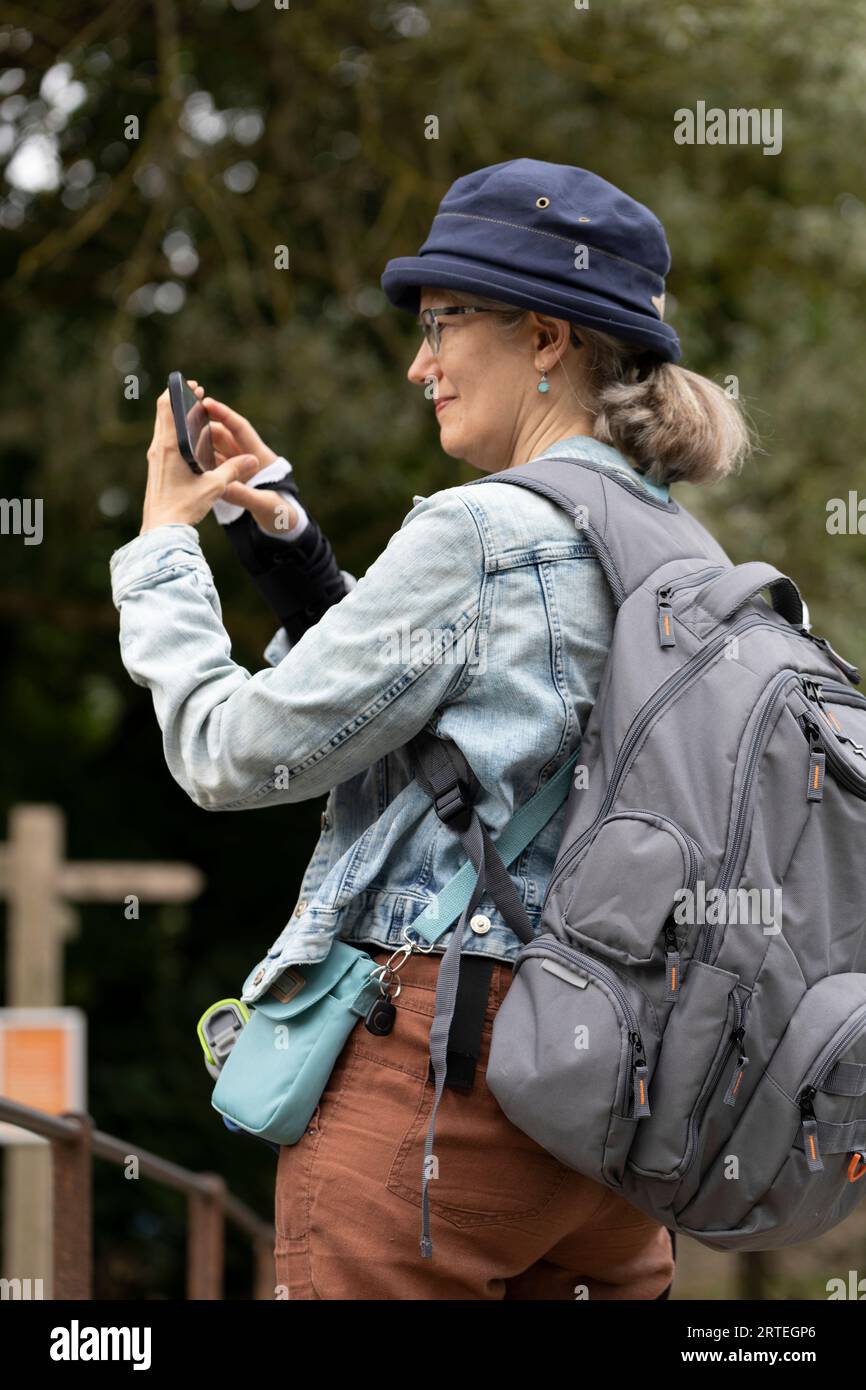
column 689, row 1028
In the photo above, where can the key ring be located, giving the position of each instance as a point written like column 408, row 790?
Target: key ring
column 386, row 976
column 386, row 973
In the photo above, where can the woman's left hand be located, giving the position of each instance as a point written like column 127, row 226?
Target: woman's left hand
column 174, row 493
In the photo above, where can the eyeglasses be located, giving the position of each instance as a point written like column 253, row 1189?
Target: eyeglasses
column 427, row 321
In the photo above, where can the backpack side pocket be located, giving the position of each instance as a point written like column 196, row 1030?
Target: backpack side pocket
column 789, row 1170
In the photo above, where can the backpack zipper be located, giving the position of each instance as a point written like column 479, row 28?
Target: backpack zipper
column 671, row 687
column 736, row 1035
column 673, row 972
column 851, row 697
column 828, row 750
column 844, row 695
column 665, row 611
column 823, row 1067
column 668, row 639
column 637, row 1051
column 841, row 772
column 727, row 872
column 730, row 869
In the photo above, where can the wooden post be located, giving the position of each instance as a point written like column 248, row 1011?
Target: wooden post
column 37, row 883
column 72, row 1184
column 35, row 929
column 205, row 1255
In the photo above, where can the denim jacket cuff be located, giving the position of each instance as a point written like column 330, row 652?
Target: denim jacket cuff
column 278, row 647
column 150, row 554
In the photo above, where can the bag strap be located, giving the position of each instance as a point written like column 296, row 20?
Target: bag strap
column 443, row 771
column 440, row 770
column 632, row 532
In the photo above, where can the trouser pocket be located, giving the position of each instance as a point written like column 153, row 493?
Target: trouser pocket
column 572, row 1053
column 792, row 1167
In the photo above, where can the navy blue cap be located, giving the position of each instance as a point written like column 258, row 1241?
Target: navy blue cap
column 514, row 231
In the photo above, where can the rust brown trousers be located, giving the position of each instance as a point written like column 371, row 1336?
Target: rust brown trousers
column 508, row 1220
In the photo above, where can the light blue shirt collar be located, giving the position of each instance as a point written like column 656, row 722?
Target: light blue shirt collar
column 584, row 446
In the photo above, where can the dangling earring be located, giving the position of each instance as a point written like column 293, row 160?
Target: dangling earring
column 544, row 384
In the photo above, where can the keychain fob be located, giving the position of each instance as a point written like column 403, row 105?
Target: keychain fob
column 380, row 1017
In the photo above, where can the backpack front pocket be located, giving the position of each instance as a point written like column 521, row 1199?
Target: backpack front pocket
column 696, row 1053
column 571, row 1058
column 792, row 1167
column 624, row 892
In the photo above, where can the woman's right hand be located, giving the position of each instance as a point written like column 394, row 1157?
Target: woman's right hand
column 232, row 434
column 273, row 512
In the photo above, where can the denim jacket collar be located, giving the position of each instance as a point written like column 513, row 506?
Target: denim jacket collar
column 584, row 446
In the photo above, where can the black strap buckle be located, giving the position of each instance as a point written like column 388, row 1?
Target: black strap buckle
column 813, row 689
column 453, row 806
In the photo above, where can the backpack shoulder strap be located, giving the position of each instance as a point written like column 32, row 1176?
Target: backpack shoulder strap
column 632, row 532
column 524, row 825
column 442, row 770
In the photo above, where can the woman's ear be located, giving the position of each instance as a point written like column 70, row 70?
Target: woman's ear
column 553, row 332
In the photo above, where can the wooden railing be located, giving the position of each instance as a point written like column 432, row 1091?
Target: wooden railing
column 74, row 1145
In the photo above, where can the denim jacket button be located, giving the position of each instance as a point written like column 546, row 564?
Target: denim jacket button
column 258, row 977
column 324, row 820
column 479, row 923
column 301, row 908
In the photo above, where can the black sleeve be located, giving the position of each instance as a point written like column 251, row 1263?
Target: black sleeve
column 299, row 580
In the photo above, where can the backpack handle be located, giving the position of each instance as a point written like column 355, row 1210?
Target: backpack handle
column 729, row 591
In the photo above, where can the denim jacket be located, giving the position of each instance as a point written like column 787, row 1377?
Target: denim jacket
column 486, row 618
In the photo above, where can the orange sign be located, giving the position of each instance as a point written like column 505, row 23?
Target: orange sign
column 42, row 1063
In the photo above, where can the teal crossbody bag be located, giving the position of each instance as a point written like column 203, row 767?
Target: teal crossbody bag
column 281, row 1057
column 274, row 1075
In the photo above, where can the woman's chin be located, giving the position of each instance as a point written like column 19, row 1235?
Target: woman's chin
column 450, row 444
column 449, row 439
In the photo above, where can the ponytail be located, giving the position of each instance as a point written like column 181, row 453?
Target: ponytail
column 673, row 424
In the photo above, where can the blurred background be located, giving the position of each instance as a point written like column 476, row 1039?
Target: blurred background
column 153, row 156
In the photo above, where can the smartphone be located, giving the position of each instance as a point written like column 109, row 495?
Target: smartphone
column 192, row 424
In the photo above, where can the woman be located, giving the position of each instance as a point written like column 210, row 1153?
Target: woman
column 541, row 293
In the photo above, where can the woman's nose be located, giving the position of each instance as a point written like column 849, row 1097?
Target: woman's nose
column 424, row 366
